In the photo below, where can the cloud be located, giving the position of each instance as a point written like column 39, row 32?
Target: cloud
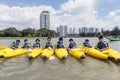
column 80, row 13
column 86, row 14
column 78, row 6
column 113, row 18
column 22, row 17
column 74, row 13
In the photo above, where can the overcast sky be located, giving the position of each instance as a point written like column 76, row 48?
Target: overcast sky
column 73, row 13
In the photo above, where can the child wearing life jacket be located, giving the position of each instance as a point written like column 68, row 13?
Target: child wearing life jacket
column 86, row 43
column 101, row 45
column 60, row 43
column 37, row 43
column 26, row 44
column 15, row 44
column 72, row 44
column 48, row 43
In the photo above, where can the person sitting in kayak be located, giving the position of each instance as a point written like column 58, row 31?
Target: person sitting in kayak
column 15, row 44
column 101, row 45
column 26, row 44
column 37, row 43
column 87, row 44
column 60, row 43
column 72, row 44
column 48, row 43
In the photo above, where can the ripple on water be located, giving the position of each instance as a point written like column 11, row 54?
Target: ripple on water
column 20, row 68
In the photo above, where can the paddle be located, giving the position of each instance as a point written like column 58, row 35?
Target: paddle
column 50, row 48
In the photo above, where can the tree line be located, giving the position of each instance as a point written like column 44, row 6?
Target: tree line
column 29, row 32
column 115, row 32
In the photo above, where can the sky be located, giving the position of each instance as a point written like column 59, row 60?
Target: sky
column 23, row 14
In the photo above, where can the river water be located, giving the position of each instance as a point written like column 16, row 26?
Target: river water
column 20, row 68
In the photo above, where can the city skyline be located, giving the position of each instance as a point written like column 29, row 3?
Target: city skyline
column 24, row 13
column 64, row 30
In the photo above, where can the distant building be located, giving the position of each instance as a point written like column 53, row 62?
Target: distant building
column 62, row 30
column 65, row 30
column 96, row 30
column 91, row 30
column 88, row 30
column 80, row 30
column 45, row 19
column 73, row 31
column 102, row 30
column 84, row 30
column 70, row 31
column 58, row 30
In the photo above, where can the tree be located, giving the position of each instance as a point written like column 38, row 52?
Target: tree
column 10, row 32
column 91, row 34
column 28, row 32
column 107, row 33
column 1, row 33
column 83, row 34
column 115, row 31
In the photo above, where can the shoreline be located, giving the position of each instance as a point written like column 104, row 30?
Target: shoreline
column 2, row 38
column 12, row 38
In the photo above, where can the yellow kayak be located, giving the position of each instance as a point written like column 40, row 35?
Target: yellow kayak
column 3, row 51
column 2, row 47
column 77, row 53
column 113, row 53
column 95, row 53
column 35, row 53
column 47, row 53
column 7, row 53
column 61, row 53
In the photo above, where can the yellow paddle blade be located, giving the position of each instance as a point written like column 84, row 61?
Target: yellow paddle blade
column 2, row 47
column 50, row 48
column 19, row 47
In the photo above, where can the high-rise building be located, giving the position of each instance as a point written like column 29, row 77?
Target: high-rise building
column 84, row 29
column 58, row 29
column 73, row 31
column 80, row 30
column 102, row 30
column 96, row 30
column 91, row 30
column 45, row 20
column 70, row 31
column 65, row 30
column 62, row 30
